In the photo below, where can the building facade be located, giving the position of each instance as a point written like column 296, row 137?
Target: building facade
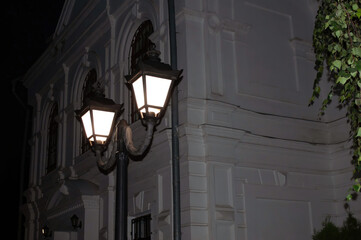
column 256, row 162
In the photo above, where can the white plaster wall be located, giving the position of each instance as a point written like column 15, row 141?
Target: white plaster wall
column 269, row 161
column 256, row 163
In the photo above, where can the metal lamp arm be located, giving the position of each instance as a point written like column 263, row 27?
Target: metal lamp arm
column 106, row 164
column 126, row 135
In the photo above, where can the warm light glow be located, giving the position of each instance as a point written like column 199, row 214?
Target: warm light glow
column 101, row 140
column 103, row 121
column 139, row 92
column 87, row 124
column 157, row 91
column 150, row 109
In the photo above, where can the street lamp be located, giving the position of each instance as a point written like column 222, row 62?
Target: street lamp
column 98, row 116
column 152, row 86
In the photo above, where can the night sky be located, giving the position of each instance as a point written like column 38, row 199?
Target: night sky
column 28, row 27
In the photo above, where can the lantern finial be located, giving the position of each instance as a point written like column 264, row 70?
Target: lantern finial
column 152, row 54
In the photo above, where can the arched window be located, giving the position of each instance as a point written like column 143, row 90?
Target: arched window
column 52, row 139
column 90, row 80
column 139, row 47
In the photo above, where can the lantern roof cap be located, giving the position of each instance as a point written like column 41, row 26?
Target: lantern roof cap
column 152, row 64
column 97, row 99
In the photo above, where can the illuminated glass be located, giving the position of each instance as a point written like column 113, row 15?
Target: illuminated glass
column 157, row 91
column 87, row 124
column 139, row 92
column 103, row 121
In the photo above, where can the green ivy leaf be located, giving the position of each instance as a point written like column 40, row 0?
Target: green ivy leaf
column 350, row 60
column 358, row 102
column 356, row 51
column 317, row 90
column 358, row 65
column 357, row 187
column 339, row 11
column 338, row 33
column 358, row 13
column 349, row 197
column 337, row 47
column 342, row 80
column 353, row 72
column 337, row 64
column 340, row 47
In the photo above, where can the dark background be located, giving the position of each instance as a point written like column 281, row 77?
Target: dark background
column 28, row 27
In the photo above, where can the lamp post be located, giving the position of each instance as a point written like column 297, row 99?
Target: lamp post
column 152, row 86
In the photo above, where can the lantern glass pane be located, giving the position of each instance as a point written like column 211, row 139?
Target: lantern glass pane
column 87, row 124
column 139, row 92
column 142, row 112
column 103, row 121
column 157, row 90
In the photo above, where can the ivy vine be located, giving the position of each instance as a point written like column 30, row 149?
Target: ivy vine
column 337, row 42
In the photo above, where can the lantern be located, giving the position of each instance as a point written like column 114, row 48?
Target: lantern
column 152, row 85
column 98, row 116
